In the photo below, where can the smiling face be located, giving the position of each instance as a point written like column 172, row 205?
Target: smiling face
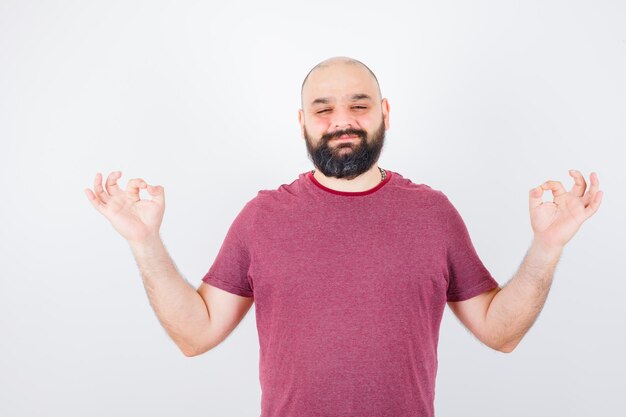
column 343, row 118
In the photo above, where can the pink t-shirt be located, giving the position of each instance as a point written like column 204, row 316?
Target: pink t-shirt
column 349, row 291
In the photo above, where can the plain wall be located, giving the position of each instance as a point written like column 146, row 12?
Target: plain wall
column 488, row 99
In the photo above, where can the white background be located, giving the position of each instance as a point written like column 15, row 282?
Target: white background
column 488, row 99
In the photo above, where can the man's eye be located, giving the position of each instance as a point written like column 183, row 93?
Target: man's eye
column 359, row 107
column 322, row 111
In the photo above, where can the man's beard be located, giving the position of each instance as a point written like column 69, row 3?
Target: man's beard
column 333, row 162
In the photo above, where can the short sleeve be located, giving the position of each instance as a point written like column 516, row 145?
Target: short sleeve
column 467, row 276
column 229, row 271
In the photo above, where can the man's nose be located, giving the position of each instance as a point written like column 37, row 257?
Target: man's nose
column 343, row 119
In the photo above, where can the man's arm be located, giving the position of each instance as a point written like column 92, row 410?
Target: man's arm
column 514, row 309
column 179, row 307
column 500, row 318
column 183, row 311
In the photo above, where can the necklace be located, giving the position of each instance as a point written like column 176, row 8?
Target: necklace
column 383, row 174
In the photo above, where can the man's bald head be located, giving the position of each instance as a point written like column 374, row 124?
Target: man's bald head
column 339, row 60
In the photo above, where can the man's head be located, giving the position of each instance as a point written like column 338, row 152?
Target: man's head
column 341, row 99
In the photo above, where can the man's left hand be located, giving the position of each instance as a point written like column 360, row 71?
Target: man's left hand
column 555, row 223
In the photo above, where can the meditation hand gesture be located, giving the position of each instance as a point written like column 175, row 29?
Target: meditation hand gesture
column 555, row 223
column 135, row 219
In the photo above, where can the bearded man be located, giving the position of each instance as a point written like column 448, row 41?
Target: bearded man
column 350, row 266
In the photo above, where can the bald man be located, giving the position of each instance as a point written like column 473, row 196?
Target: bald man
column 350, row 266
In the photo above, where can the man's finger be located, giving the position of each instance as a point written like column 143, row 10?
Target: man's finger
column 111, row 183
column 593, row 189
column 535, row 197
column 95, row 201
column 157, row 193
column 578, row 189
column 595, row 204
column 133, row 187
column 99, row 191
column 555, row 186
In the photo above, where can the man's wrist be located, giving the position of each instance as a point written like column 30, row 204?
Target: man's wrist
column 147, row 244
column 545, row 252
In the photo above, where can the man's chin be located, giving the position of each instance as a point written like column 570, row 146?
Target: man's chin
column 342, row 154
column 344, row 145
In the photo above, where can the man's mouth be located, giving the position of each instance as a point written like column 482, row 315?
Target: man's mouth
column 346, row 137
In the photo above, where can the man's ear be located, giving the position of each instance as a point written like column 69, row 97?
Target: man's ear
column 385, row 107
column 301, row 121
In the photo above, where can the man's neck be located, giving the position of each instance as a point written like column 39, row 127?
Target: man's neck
column 366, row 181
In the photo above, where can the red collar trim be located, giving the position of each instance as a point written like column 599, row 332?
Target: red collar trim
column 351, row 193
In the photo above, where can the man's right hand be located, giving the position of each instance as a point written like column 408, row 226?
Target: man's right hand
column 135, row 219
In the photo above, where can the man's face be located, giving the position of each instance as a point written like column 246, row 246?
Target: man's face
column 343, row 120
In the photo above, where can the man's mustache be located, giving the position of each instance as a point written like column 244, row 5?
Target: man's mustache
column 329, row 136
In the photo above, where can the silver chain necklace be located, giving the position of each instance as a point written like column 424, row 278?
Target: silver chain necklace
column 383, row 174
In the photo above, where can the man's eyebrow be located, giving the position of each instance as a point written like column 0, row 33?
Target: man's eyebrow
column 353, row 97
column 356, row 97
column 322, row 100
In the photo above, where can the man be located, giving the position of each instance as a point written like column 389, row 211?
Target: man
column 350, row 266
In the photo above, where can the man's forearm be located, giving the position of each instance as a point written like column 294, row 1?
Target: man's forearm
column 516, row 306
column 179, row 307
